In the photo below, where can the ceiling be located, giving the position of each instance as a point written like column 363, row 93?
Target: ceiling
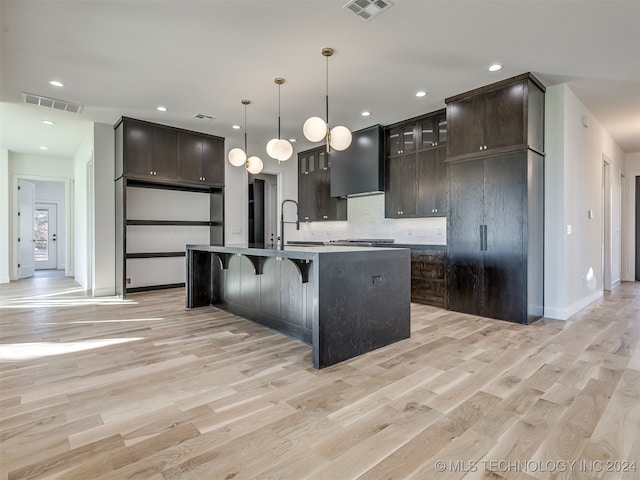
column 124, row 58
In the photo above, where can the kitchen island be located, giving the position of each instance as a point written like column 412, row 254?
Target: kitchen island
column 343, row 301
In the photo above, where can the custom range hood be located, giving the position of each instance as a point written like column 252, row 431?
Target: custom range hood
column 359, row 170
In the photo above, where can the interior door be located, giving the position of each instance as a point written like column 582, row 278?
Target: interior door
column 45, row 246
column 464, row 232
column 26, row 201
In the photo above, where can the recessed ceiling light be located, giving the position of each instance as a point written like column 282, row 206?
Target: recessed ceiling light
column 48, row 122
column 56, row 83
column 365, row 114
column 495, row 67
column 236, row 127
column 161, row 108
column 44, row 148
column 421, row 93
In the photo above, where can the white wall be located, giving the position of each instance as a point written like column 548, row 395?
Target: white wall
column 632, row 170
column 573, row 187
column 81, row 160
column 95, row 217
column 54, row 192
column 32, row 168
column 4, row 216
column 104, row 247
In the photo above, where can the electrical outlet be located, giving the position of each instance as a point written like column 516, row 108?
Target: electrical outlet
column 568, row 229
column 128, row 281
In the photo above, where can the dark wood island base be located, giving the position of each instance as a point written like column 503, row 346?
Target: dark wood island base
column 343, row 301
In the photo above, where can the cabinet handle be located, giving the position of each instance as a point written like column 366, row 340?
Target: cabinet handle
column 481, row 238
column 324, row 216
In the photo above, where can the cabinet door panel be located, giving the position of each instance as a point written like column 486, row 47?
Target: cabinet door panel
column 465, row 281
column 441, row 183
column 504, row 259
column 212, row 160
column 323, row 200
column 137, row 148
column 304, row 202
column 465, row 123
column 504, row 117
column 427, row 159
column 400, row 197
column 190, row 157
column 165, row 153
column 428, row 134
column 408, row 138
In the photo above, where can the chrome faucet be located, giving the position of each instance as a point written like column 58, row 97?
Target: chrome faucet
column 282, row 222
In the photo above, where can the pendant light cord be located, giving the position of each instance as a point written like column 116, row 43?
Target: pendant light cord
column 245, row 129
column 279, row 111
column 327, row 92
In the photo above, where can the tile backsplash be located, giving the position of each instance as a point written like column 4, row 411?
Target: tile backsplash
column 366, row 220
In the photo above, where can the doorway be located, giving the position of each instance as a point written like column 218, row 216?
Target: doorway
column 45, row 226
column 263, row 210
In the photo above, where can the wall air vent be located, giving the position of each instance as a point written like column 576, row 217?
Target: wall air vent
column 39, row 100
column 203, row 117
column 368, row 9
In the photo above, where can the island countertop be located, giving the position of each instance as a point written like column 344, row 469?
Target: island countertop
column 302, row 252
column 342, row 300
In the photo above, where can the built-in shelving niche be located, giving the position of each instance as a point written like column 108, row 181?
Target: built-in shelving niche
column 158, row 222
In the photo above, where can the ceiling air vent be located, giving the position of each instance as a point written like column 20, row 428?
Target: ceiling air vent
column 39, row 100
column 203, row 117
column 368, row 9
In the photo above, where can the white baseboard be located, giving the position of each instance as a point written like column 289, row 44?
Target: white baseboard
column 104, row 292
column 5, row 279
column 567, row 312
column 615, row 284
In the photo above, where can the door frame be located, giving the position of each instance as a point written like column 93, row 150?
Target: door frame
column 14, row 224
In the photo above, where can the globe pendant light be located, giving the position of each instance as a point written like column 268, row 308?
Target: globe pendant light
column 238, row 157
column 279, row 148
column 316, row 129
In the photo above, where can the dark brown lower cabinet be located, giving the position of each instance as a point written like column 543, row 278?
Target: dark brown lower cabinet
column 496, row 236
column 428, row 275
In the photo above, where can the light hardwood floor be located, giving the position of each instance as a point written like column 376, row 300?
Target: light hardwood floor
column 145, row 389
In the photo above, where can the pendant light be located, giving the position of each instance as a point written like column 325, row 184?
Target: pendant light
column 316, row 129
column 279, row 148
column 238, row 157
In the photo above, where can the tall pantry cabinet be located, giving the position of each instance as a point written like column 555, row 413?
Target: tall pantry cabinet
column 169, row 189
column 495, row 152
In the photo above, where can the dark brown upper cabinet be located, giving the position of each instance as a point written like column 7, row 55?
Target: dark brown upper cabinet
column 164, row 154
column 314, row 188
column 201, row 159
column 401, row 139
column 416, row 180
column 150, row 151
column 496, row 118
